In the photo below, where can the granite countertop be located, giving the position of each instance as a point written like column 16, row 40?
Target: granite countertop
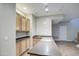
column 45, row 47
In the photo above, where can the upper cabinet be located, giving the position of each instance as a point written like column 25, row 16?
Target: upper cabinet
column 28, row 25
column 22, row 23
column 18, row 22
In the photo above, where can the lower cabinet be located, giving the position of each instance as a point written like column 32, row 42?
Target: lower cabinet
column 28, row 43
column 18, row 48
column 21, row 46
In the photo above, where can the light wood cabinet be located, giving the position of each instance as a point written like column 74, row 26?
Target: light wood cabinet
column 22, row 46
column 24, row 24
column 18, row 48
column 28, row 42
column 28, row 25
column 18, row 22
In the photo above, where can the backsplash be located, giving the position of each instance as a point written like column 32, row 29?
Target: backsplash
column 22, row 34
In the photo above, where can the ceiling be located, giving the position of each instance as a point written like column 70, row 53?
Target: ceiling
column 70, row 10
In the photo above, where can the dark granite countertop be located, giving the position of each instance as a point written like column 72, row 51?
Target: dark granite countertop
column 19, row 38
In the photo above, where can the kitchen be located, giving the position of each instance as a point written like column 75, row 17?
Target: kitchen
column 50, row 22
column 39, row 29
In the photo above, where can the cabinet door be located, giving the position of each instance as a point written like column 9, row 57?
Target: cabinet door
column 24, row 26
column 28, row 42
column 18, row 22
column 23, row 45
column 18, row 48
column 28, row 25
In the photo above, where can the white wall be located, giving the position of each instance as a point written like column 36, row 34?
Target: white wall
column 34, row 25
column 7, row 29
column 72, row 29
column 43, row 26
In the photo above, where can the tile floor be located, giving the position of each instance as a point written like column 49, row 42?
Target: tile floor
column 68, row 48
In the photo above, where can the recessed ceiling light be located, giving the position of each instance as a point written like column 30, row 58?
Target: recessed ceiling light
column 46, row 9
column 24, row 8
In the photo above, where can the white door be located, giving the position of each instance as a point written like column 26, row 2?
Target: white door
column 63, row 33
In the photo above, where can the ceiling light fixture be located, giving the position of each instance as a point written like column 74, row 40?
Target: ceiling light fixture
column 46, row 9
column 24, row 8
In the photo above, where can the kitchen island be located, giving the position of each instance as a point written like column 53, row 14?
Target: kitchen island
column 45, row 47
